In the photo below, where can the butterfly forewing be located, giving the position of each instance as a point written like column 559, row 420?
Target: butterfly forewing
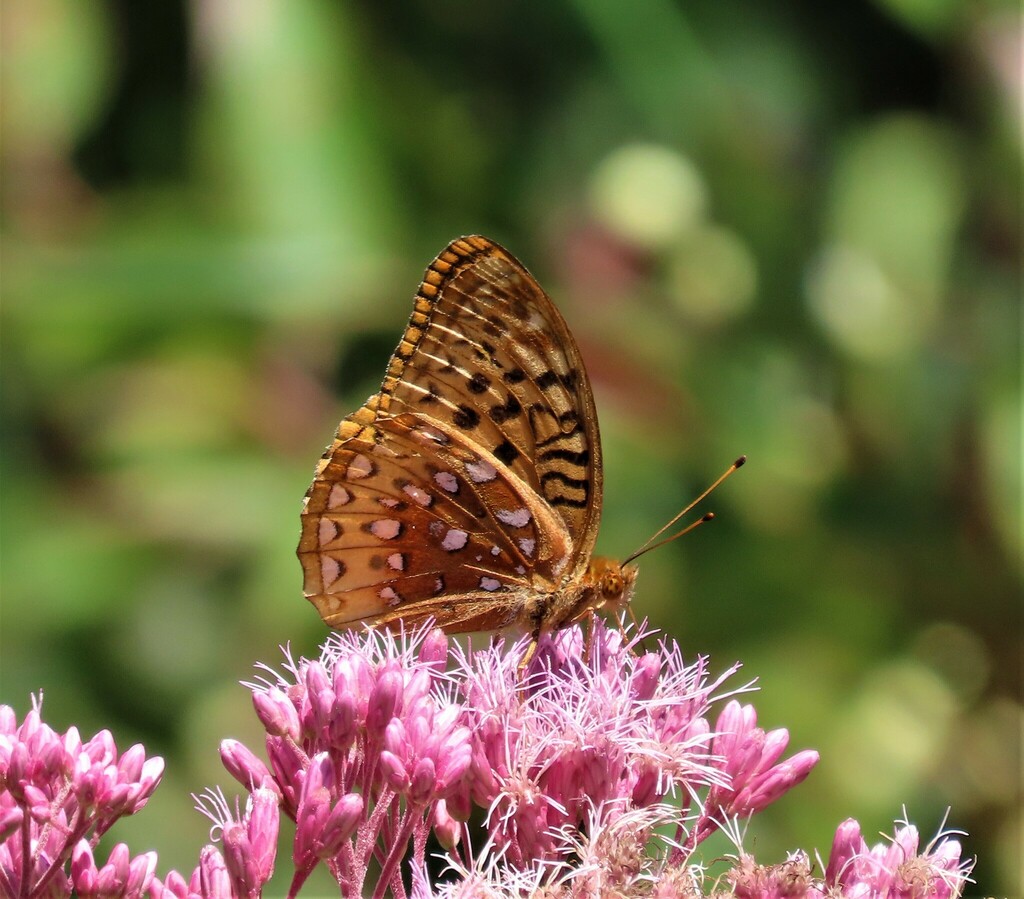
column 473, row 479
column 495, row 358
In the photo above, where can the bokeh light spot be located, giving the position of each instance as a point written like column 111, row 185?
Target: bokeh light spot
column 859, row 308
column 647, row 194
column 712, row 275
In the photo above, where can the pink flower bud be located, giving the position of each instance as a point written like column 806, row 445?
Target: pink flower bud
column 452, row 767
column 791, row 772
column 395, row 739
column 422, row 782
column 243, row 764
column 446, row 828
column 645, row 676
column 113, row 797
column 83, row 868
column 315, row 676
column 420, row 728
column 214, row 880
column 129, row 766
column 113, row 876
column 385, row 701
column 434, row 650
column 645, row 789
column 309, row 826
column 314, row 807
column 782, row 778
column 775, row 743
column 319, row 775
column 319, row 694
column 484, row 777
column 101, row 749
column 49, row 761
column 72, row 744
column 239, row 861
column 140, row 875
column 173, row 886
column 458, row 802
column 393, row 771
column 17, row 771
column 322, row 705
column 343, row 678
column 263, row 827
column 340, row 824
column 730, row 725
column 846, row 844
column 30, row 725
column 288, row 764
column 37, row 803
column 341, row 730
column 149, row 779
column 277, row 713
column 418, row 685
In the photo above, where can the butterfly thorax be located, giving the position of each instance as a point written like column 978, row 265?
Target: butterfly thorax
column 605, row 585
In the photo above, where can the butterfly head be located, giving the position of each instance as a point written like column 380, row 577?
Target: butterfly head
column 612, row 583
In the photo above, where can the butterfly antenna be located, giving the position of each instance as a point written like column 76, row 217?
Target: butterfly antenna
column 651, row 544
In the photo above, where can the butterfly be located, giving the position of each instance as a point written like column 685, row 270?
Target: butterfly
column 469, row 489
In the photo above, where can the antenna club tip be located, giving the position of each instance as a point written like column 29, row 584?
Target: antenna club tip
column 708, row 516
column 741, row 461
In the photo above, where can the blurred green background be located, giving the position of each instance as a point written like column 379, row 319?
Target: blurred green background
column 789, row 230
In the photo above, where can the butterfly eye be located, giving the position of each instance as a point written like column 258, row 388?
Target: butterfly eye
column 611, row 585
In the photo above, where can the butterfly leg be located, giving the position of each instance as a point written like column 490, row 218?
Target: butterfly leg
column 588, row 635
column 530, row 650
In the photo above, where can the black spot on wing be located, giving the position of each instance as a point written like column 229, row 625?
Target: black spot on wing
column 503, row 412
column 478, row 383
column 466, row 417
column 506, row 452
column 431, row 395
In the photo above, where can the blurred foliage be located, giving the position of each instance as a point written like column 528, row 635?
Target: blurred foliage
column 788, row 229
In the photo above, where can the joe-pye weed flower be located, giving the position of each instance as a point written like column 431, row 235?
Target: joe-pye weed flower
column 598, row 769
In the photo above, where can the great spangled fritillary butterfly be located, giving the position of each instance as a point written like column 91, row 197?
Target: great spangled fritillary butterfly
column 469, row 489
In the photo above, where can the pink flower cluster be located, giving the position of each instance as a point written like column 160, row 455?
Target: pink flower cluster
column 58, row 796
column 897, row 869
column 375, row 744
column 597, row 769
column 364, row 746
column 596, row 730
column 755, row 776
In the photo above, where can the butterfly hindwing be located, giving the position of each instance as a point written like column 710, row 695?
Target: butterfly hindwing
column 414, row 517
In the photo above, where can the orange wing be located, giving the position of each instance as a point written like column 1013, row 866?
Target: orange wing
column 472, row 481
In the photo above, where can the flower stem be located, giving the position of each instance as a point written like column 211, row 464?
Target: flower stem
column 389, row 870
